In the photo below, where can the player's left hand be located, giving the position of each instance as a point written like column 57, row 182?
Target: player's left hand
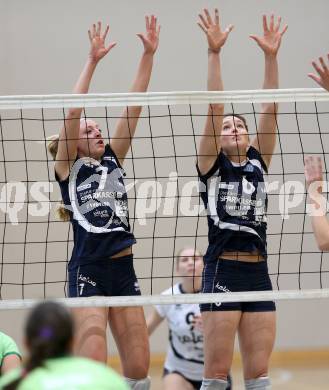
column 150, row 39
column 271, row 40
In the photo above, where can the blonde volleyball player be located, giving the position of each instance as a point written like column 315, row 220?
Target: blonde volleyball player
column 231, row 168
column 89, row 173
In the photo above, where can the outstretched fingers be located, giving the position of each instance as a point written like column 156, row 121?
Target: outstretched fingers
column 98, row 29
column 216, row 16
column 322, row 70
column 229, row 28
column 110, row 46
column 285, row 28
column 277, row 27
column 150, row 38
column 209, row 20
column 107, row 29
column 202, row 27
column 272, row 22
column 97, row 41
column 147, row 22
column 265, row 27
column 323, row 64
column 319, row 70
column 204, row 23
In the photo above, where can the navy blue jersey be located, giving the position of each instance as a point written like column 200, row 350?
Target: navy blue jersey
column 236, row 202
column 96, row 198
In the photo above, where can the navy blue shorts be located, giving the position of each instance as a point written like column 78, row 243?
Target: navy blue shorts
column 108, row 277
column 195, row 384
column 220, row 276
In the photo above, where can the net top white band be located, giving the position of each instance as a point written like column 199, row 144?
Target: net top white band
column 146, row 300
column 162, row 98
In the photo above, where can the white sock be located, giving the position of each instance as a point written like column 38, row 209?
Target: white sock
column 261, row 383
column 213, row 384
column 139, row 384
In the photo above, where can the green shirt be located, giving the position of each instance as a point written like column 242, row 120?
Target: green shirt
column 71, row 373
column 7, row 347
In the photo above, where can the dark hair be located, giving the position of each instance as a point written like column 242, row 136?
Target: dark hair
column 48, row 333
column 239, row 117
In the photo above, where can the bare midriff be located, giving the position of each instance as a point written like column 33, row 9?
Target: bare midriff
column 253, row 257
column 124, row 252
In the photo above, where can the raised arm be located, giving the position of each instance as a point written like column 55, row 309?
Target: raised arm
column 314, row 180
column 270, row 42
column 69, row 134
column 153, row 321
column 322, row 70
column 125, row 129
column 210, row 142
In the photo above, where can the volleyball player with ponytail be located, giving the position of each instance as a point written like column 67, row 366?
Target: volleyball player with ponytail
column 49, row 365
column 91, row 180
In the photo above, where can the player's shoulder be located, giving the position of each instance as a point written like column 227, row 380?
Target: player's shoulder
column 4, row 336
column 7, row 343
column 173, row 290
column 256, row 159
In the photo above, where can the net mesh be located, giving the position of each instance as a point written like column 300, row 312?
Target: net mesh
column 166, row 212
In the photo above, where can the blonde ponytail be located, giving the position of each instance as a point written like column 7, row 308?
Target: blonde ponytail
column 61, row 212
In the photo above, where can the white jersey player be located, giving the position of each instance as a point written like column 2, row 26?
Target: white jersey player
column 183, row 368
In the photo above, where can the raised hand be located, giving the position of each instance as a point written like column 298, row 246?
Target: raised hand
column 97, row 42
column 150, row 39
column 313, row 174
column 271, row 40
column 211, row 27
column 322, row 77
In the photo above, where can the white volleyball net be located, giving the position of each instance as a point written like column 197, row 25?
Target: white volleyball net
column 165, row 208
